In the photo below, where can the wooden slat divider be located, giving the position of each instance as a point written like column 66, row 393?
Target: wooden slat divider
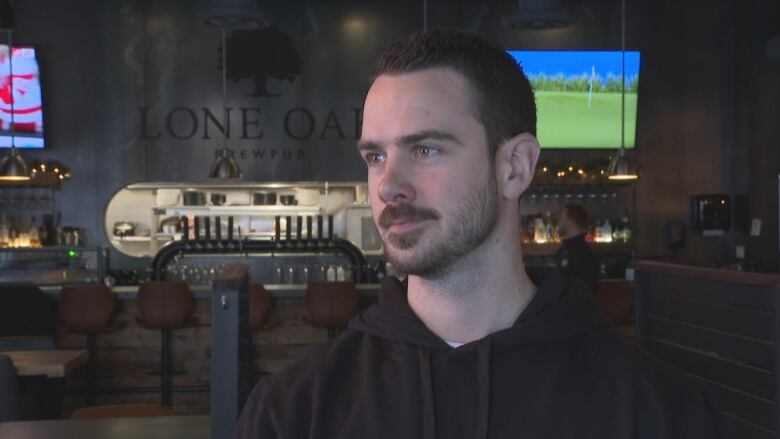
column 722, row 328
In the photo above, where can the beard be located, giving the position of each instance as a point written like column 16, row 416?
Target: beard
column 471, row 222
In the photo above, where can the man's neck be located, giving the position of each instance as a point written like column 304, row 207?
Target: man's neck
column 482, row 293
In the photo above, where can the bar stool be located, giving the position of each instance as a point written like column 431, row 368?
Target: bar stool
column 259, row 304
column 331, row 305
column 88, row 310
column 164, row 305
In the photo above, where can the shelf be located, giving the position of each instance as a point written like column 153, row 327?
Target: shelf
column 119, row 240
column 242, row 210
column 45, row 180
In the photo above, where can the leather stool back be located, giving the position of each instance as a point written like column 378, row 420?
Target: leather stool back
column 163, row 305
column 331, row 304
column 259, row 304
column 87, row 309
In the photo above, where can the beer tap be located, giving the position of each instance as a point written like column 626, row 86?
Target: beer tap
column 330, row 230
column 207, row 227
column 288, row 232
column 319, row 230
column 185, row 226
column 309, row 241
column 230, row 243
column 299, row 231
column 218, row 231
column 198, row 244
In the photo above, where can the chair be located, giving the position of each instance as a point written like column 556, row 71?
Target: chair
column 259, row 305
column 165, row 306
column 9, row 391
column 121, row 411
column 88, row 310
column 331, row 305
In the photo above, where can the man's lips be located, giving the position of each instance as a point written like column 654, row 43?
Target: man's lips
column 405, row 225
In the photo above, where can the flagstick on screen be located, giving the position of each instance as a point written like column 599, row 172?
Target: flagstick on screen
column 578, row 97
column 25, row 96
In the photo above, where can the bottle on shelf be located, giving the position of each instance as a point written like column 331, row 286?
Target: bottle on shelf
column 331, row 274
column 607, row 232
column 35, row 240
column 4, row 232
column 540, row 232
column 627, row 234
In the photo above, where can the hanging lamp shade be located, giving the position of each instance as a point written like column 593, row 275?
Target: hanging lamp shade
column 225, row 166
column 621, row 167
column 13, row 167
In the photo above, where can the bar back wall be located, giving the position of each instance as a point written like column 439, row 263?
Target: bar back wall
column 132, row 93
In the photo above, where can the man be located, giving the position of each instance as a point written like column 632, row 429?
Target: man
column 575, row 258
column 467, row 347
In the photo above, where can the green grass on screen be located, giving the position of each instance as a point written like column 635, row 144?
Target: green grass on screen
column 565, row 121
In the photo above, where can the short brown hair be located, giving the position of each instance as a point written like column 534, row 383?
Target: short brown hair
column 578, row 215
column 502, row 96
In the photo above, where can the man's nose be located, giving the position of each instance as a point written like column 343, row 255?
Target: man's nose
column 396, row 185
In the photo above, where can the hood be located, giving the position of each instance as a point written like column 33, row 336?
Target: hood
column 559, row 309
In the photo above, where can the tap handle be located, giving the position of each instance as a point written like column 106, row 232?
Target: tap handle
column 185, row 224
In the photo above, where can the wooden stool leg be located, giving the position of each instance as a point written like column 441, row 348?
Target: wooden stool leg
column 165, row 389
column 91, row 362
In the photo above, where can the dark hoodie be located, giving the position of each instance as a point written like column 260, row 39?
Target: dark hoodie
column 559, row 372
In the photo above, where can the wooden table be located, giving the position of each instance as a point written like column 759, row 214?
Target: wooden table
column 162, row 427
column 54, row 363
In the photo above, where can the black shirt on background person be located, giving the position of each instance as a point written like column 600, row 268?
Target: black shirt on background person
column 575, row 257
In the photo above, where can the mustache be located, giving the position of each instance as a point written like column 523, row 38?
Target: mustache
column 405, row 212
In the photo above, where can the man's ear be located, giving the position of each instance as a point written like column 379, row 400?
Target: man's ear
column 515, row 164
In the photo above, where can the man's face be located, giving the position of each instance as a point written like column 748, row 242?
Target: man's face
column 566, row 227
column 431, row 179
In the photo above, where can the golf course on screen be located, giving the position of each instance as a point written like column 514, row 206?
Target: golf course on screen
column 578, row 97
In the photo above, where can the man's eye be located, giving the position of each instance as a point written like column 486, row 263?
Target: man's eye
column 374, row 158
column 424, row 151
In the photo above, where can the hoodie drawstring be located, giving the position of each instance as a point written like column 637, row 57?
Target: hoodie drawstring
column 426, row 384
column 483, row 387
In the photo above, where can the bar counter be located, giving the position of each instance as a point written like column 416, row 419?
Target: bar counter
column 277, row 291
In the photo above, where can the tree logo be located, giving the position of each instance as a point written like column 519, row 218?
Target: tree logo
column 261, row 55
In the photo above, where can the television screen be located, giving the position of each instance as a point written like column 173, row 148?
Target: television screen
column 20, row 99
column 578, row 96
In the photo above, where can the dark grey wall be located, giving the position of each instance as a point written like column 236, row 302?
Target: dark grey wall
column 698, row 129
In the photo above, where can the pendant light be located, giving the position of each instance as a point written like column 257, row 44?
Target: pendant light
column 621, row 167
column 225, row 165
column 12, row 166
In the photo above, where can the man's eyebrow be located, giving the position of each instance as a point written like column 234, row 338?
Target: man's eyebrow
column 428, row 135
column 368, row 145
